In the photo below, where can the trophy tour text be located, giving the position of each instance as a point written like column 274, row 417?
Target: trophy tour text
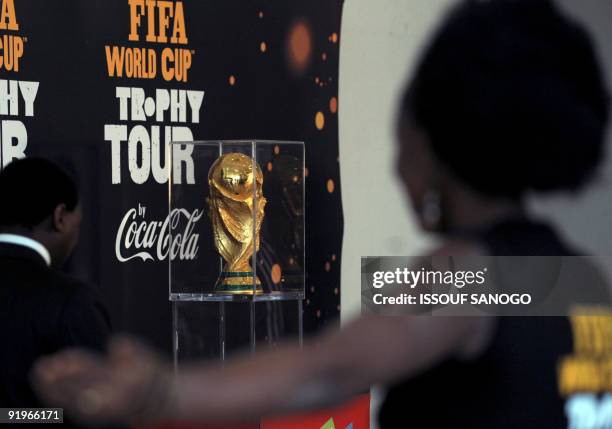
column 144, row 149
column 17, row 98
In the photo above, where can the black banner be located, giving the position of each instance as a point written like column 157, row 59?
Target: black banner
column 103, row 86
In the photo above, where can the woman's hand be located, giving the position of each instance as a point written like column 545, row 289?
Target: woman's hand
column 133, row 384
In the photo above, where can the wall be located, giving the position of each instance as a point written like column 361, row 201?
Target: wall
column 379, row 44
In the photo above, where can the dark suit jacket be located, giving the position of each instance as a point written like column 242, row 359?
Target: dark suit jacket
column 41, row 312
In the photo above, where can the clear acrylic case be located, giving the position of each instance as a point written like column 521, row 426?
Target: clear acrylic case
column 237, row 275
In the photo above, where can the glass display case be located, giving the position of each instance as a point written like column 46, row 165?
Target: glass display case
column 236, row 265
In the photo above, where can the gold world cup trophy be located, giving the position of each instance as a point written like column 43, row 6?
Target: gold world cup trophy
column 234, row 190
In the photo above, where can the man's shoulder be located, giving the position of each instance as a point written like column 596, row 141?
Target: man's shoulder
column 65, row 281
column 83, row 318
column 41, row 283
column 70, row 287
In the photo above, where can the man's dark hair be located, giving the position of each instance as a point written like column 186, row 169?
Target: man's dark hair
column 31, row 189
column 512, row 98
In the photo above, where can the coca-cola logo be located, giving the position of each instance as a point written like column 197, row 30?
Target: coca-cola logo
column 152, row 240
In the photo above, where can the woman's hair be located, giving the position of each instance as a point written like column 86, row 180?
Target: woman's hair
column 512, row 98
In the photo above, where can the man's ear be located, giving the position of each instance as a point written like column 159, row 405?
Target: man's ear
column 59, row 218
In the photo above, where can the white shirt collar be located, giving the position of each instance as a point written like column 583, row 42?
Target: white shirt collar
column 20, row 240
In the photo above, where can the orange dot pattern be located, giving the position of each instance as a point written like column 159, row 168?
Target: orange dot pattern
column 320, row 120
column 299, row 46
column 325, row 117
column 276, row 274
column 304, row 61
column 333, row 104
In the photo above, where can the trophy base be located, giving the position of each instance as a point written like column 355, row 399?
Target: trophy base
column 239, row 283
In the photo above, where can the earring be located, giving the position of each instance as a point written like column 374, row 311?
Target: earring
column 431, row 212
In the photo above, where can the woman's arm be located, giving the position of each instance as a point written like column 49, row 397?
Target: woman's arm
column 369, row 351
column 133, row 384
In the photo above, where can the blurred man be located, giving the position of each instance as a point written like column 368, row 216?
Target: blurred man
column 41, row 310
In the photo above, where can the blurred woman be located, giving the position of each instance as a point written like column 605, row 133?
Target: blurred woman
column 508, row 99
